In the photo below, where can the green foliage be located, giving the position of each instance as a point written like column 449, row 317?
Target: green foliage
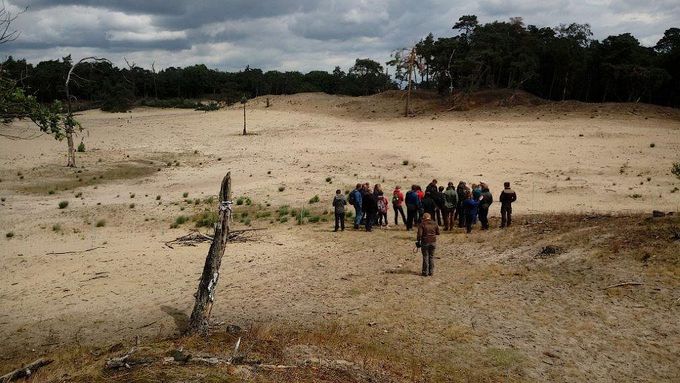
column 676, row 169
column 63, row 204
column 209, row 107
column 81, row 147
column 185, row 195
column 314, row 219
column 314, row 199
column 206, row 219
column 180, row 103
column 182, row 219
column 56, row 227
column 9, row 234
column 101, row 223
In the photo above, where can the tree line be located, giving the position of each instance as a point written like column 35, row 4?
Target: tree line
column 561, row 63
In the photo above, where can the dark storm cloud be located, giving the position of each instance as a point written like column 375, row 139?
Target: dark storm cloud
column 289, row 35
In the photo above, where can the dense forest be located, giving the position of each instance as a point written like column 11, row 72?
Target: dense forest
column 561, row 63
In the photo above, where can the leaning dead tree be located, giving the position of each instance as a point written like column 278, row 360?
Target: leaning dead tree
column 70, row 123
column 205, row 296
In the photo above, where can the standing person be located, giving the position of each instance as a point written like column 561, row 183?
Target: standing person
column 412, row 207
column 508, row 196
column 377, row 190
column 476, row 194
column 431, row 187
column 339, row 203
column 397, row 204
column 469, row 210
column 485, row 201
column 429, row 205
column 439, row 200
column 370, row 207
column 450, row 204
column 421, row 195
column 356, row 200
column 426, row 239
column 461, row 190
column 382, row 209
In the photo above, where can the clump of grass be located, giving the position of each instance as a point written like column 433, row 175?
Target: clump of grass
column 206, row 219
column 314, row 199
column 101, row 223
column 675, row 170
column 329, row 179
column 635, row 196
column 132, row 206
column 652, row 145
column 263, row 214
column 56, row 227
column 649, row 179
column 349, row 214
column 158, row 198
column 283, row 210
column 63, row 204
column 283, row 219
column 185, row 194
column 50, row 192
column 79, row 194
column 132, row 195
column 9, row 234
column 3, row 199
column 209, row 200
column 246, row 221
column 404, row 162
column 282, row 188
column 301, row 215
column 314, row 219
column 81, row 147
column 240, row 200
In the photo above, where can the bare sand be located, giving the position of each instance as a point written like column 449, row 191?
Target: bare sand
column 561, row 158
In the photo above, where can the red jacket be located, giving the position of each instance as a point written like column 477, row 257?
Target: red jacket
column 421, row 194
column 399, row 200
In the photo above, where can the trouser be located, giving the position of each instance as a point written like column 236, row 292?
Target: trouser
column 468, row 222
column 419, row 217
column 339, row 221
column 370, row 220
column 448, row 218
column 506, row 215
column 438, row 214
column 357, row 216
column 382, row 219
column 399, row 210
column 411, row 216
column 461, row 216
column 484, row 217
column 428, row 258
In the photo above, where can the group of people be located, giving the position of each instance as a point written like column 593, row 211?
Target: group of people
column 460, row 205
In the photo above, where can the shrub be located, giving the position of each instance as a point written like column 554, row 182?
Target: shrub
column 676, row 169
column 283, row 219
column 282, row 188
column 652, row 145
column 101, row 223
column 9, row 234
column 349, row 214
column 81, row 147
column 63, row 204
column 56, row 227
column 3, row 199
column 209, row 200
column 283, row 210
column 264, row 214
column 314, row 219
column 635, row 196
column 132, row 195
column 132, row 206
column 79, row 194
column 404, row 162
column 50, row 192
column 246, row 222
column 158, row 198
column 209, row 107
column 240, row 201
column 185, row 195
column 182, row 219
column 206, row 219
column 329, row 179
column 314, row 199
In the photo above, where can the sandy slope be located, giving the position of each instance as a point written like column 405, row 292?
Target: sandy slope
column 558, row 158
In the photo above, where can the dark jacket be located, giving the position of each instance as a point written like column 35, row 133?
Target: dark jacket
column 487, row 199
column 460, row 190
column 470, row 207
column 428, row 232
column 339, row 203
column 412, row 199
column 429, row 205
column 507, row 197
column 358, row 198
column 369, row 203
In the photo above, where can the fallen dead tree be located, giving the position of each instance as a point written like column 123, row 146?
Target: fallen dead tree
column 25, row 371
column 126, row 361
column 196, row 237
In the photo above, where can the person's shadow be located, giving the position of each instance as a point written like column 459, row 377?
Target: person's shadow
column 180, row 317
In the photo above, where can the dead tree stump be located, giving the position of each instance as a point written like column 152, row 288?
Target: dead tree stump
column 205, row 296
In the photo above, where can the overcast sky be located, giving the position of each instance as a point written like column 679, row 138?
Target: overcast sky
column 291, row 35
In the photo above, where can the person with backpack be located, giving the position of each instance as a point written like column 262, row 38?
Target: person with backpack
column 470, row 206
column 356, row 200
column 339, row 203
column 382, row 209
column 397, row 202
column 450, row 204
column 485, row 201
column 508, row 196
column 412, row 206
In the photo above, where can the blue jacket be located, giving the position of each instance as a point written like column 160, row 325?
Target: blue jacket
column 470, row 207
column 357, row 198
column 412, row 199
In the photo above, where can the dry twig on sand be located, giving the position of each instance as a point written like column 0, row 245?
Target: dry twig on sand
column 24, row 371
column 196, row 237
column 74, row 251
column 624, row 284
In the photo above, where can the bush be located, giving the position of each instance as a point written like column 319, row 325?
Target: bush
column 9, row 234
column 185, row 195
column 206, row 219
column 314, row 219
column 209, row 107
column 132, row 195
column 158, row 198
column 240, row 201
column 63, row 204
column 79, row 194
column 652, row 145
column 56, row 227
column 404, row 162
column 101, row 223
column 282, row 188
column 246, row 222
column 314, row 199
column 81, row 147
column 50, row 192
column 182, row 219
column 283, row 219
column 329, row 179
column 283, row 210
column 171, row 103
column 132, row 206
column 676, row 169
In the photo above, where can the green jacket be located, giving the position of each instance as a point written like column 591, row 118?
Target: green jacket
column 451, row 198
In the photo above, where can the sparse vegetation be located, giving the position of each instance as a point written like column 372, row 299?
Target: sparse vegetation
column 81, row 147
column 158, row 198
column 63, row 204
column 652, row 145
column 185, row 194
column 56, row 227
column 206, row 219
column 404, row 162
column 282, row 188
column 9, row 234
column 314, row 199
column 50, row 192
column 132, row 206
column 101, row 223
column 675, row 170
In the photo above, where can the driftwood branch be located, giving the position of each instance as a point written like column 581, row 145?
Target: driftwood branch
column 624, row 284
column 126, row 361
column 74, row 251
column 196, row 237
column 25, row 371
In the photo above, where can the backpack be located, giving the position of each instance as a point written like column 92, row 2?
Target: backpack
column 382, row 204
column 395, row 199
column 352, row 198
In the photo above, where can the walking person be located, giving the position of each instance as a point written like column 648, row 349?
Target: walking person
column 461, row 191
column 485, row 201
column 356, row 200
column 339, row 203
column 426, row 239
column 382, row 209
column 397, row 205
column 508, row 196
column 450, row 205
column 412, row 207
column 469, row 211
